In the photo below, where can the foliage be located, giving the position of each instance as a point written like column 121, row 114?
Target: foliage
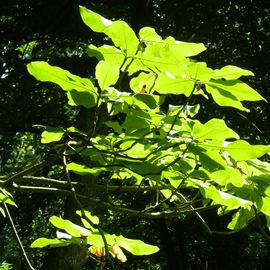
column 183, row 165
column 5, row 266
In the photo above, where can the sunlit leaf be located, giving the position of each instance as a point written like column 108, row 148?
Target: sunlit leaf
column 264, row 205
column 213, row 129
column 242, row 150
column 136, row 247
column 69, row 227
column 82, row 169
column 52, row 134
column 149, row 34
column 107, row 74
column 67, row 81
column 87, row 215
column 107, row 53
column 123, row 37
column 223, row 198
column 6, row 197
column 45, row 242
column 231, row 73
column 93, row 20
column 241, row 218
column 86, row 99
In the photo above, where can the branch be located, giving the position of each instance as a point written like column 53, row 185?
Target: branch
column 22, row 251
column 152, row 215
column 31, row 169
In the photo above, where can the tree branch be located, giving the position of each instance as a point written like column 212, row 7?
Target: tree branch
column 22, row 251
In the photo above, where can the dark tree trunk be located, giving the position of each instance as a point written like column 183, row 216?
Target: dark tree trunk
column 176, row 254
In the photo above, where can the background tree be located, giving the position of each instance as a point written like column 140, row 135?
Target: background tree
column 61, row 38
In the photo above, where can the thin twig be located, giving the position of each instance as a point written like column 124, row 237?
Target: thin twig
column 21, row 248
column 31, row 169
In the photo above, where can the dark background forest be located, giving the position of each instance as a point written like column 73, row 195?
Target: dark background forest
column 234, row 32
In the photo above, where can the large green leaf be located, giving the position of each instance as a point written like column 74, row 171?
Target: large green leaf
column 238, row 89
column 136, row 120
column 241, row 218
column 107, row 73
column 264, row 205
column 144, row 80
column 169, row 84
column 242, row 150
column 123, row 37
column 223, row 198
column 93, row 20
column 213, row 129
column 136, row 247
column 231, row 73
column 231, row 93
column 86, row 99
column 52, row 134
column 71, row 228
column 227, row 176
column 45, row 242
column 88, row 215
column 107, row 53
column 120, row 32
column 184, row 49
column 148, row 34
column 66, row 80
column 187, row 112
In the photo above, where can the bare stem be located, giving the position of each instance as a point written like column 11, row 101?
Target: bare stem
column 22, row 251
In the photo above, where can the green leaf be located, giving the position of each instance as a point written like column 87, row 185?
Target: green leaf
column 149, row 34
column 44, row 242
column 27, row 48
column 67, row 81
column 143, row 101
column 106, row 53
column 264, row 205
column 238, row 89
column 6, row 197
column 231, row 93
column 69, row 227
column 83, row 170
column 86, row 99
column 96, row 239
column 241, row 219
column 93, row 20
column 242, row 150
column 185, row 49
column 213, row 129
column 93, row 219
column 136, row 247
column 123, row 37
column 188, row 111
column 227, row 176
column 52, row 134
column 115, row 126
column 231, row 73
column 136, row 120
column 211, row 161
column 120, row 32
column 143, row 79
column 170, row 84
column 107, row 74
column 223, row 198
